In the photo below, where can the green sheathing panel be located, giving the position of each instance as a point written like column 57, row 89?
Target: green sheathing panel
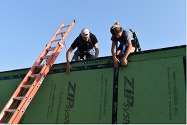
column 9, row 81
column 83, row 96
column 152, row 88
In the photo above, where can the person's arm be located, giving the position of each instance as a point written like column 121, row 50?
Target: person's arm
column 96, row 50
column 68, row 53
column 95, row 43
column 113, row 50
column 115, row 59
column 129, row 50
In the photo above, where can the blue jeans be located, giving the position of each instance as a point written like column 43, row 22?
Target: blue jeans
column 122, row 48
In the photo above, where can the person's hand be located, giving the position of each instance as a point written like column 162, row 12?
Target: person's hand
column 124, row 62
column 68, row 67
column 116, row 62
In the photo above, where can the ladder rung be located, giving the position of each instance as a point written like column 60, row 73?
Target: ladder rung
column 46, row 57
column 26, row 86
column 65, row 26
column 18, row 112
column 51, row 48
column 34, row 75
column 19, row 98
column 62, row 33
column 11, row 110
column 55, row 40
column 39, row 66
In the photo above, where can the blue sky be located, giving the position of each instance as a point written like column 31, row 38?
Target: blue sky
column 26, row 26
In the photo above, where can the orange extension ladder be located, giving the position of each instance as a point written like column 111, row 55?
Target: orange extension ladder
column 22, row 97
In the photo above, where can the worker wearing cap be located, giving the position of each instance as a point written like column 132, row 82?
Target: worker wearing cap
column 87, row 48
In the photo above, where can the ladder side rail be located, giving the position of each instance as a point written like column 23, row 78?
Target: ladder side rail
column 25, row 102
column 36, row 84
column 17, row 93
column 11, row 102
column 45, row 51
column 38, row 61
column 58, row 48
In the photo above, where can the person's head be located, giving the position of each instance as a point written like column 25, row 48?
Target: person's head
column 85, row 33
column 116, row 30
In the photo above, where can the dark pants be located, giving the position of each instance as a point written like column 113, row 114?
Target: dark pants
column 78, row 56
